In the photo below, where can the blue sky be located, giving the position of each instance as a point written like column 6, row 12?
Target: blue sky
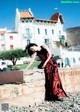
column 42, row 9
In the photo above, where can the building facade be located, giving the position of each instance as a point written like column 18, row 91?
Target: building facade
column 39, row 30
column 9, row 40
column 28, row 29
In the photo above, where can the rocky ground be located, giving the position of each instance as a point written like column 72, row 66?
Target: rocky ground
column 70, row 104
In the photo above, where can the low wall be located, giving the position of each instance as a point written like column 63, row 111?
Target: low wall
column 32, row 91
column 70, row 79
column 11, row 77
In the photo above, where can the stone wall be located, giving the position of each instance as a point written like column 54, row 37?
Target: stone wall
column 70, row 79
column 73, row 36
column 32, row 91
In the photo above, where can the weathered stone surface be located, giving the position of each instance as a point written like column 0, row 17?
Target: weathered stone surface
column 70, row 79
column 32, row 91
column 73, row 36
column 11, row 77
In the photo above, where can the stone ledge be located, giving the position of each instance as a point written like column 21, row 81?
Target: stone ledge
column 11, row 77
column 33, row 90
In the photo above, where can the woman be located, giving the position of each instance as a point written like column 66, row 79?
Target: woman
column 53, row 85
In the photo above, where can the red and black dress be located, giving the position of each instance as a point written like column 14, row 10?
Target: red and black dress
column 53, row 85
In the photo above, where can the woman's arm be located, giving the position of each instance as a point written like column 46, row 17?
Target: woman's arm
column 49, row 55
column 32, row 60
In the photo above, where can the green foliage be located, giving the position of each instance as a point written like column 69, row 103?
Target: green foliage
column 59, row 43
column 17, row 53
column 13, row 55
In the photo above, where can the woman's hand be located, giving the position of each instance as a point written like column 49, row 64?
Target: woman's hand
column 44, row 65
column 32, row 60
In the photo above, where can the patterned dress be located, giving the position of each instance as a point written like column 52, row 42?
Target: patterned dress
column 53, row 85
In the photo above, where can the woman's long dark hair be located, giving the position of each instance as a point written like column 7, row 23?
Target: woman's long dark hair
column 30, row 52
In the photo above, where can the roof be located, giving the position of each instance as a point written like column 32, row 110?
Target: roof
column 57, row 16
column 26, row 15
column 13, row 32
column 42, row 20
column 29, row 15
column 2, row 32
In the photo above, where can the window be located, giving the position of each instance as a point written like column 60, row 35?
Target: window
column 52, row 31
column 28, row 41
column 79, row 59
column 11, row 46
column 45, row 31
column 59, row 32
column 26, row 21
column 47, row 41
column 63, row 37
column 38, row 31
column 22, row 21
column 67, row 62
column 11, row 37
column 30, row 20
column 74, row 61
column 27, row 30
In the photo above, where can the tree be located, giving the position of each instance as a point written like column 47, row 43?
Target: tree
column 13, row 55
column 59, row 43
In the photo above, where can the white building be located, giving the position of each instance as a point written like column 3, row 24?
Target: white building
column 9, row 40
column 2, row 40
column 30, row 29
column 39, row 30
column 67, row 57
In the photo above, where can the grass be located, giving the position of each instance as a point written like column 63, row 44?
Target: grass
column 23, row 66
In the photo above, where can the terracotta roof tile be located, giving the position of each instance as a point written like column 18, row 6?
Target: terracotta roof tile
column 56, row 16
column 26, row 15
column 2, row 32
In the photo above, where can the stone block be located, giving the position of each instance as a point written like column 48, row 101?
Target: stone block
column 8, row 77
